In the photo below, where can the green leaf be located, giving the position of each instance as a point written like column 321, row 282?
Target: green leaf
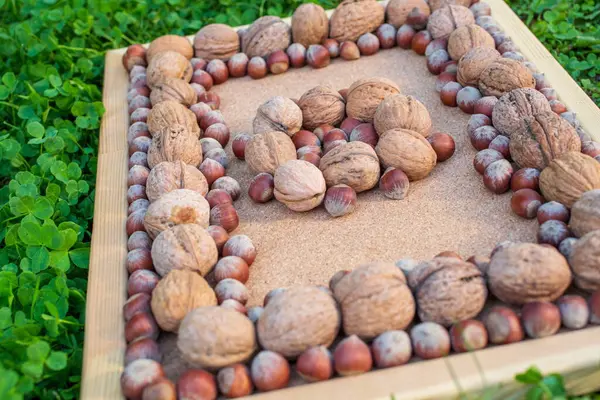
column 80, row 257
column 30, row 233
column 42, row 208
column 531, row 376
column 5, row 318
column 40, row 259
column 60, row 259
column 57, row 361
column 36, row 129
column 33, row 369
column 38, row 351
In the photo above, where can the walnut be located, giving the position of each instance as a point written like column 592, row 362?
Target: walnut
column 437, row 4
column 322, row 105
column 540, row 139
column 278, row 114
column 568, row 177
column 354, row 164
column 266, row 35
column 216, row 41
column 467, row 37
column 168, row 176
column 504, row 75
column 408, row 151
column 352, row 18
column 297, row 319
column 448, row 290
column 585, row 214
column 445, row 20
column 526, row 272
column 404, row 112
column 510, row 109
column 299, row 185
column 365, row 95
column 374, row 298
column 168, row 64
column 215, row 337
column 168, row 114
column 173, row 89
column 181, row 206
column 186, row 246
column 585, row 261
column 472, row 64
column 175, row 43
column 309, row 24
column 179, row 292
column 267, row 151
column 398, row 10
column 175, row 144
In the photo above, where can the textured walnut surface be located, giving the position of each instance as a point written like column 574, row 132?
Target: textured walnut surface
column 510, row 109
column 585, row 261
column 365, row 95
column 168, row 64
column 397, row 10
column 504, row 75
column 278, row 114
column 585, row 213
column 406, row 150
column 267, row 151
column 167, row 115
column 266, row 35
column 216, row 41
column 176, row 143
column 299, row 185
column 466, row 38
column 437, row 4
column 472, row 64
column 445, row 20
column 164, row 43
column 354, row 164
column 404, row 112
column 353, row 18
column 168, row 176
column 310, row 24
column 321, row 105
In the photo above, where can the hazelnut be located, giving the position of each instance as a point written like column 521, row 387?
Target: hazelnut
column 138, row 81
column 483, row 136
column 254, row 313
column 135, row 221
column 352, row 357
column 574, row 311
column 219, row 235
column 228, row 184
column 496, row 176
column 340, row 200
column 437, row 44
column 141, row 325
column 468, row 335
column 394, row 184
column 315, row 364
column 139, row 259
column 141, row 281
column 485, row 105
column 443, row 79
column 237, row 65
column 525, row 178
column 136, row 192
column 333, row 46
column 202, row 78
column 261, row 188
column 349, row 124
column 430, row 340
column 257, row 68
column 594, row 303
column 137, row 175
column 139, row 240
column 553, row 211
column 333, row 144
column 449, row 93
column 238, row 146
column 507, row 46
column 196, row 384
column 218, row 155
column 212, row 170
column 139, row 115
column 437, row 60
column 200, row 110
column 212, row 100
column 137, row 303
column 391, row 349
column 420, row 41
column 142, row 348
column 540, row 319
column 368, row 44
column 162, row 389
column 198, row 63
column 138, row 158
column 305, row 138
column 141, row 143
column 553, row 232
column 322, row 130
column 503, row 325
column 218, row 196
column 231, row 267
column 502, row 145
column 269, row 371
column 590, row 148
column 466, row 98
column 309, row 150
column 136, row 70
column 218, row 71
column 224, row 215
column 333, row 135
column 477, row 121
column 418, row 18
column 278, row 62
column 349, row 51
column 566, row 247
column 241, row 246
column 363, row 133
column 404, row 36
column 234, row 381
column 199, row 89
column 443, row 145
column 139, row 102
column 297, row 55
column 234, row 305
column 526, row 202
column 136, row 130
column 134, row 55
column 317, row 56
column 138, row 375
column 219, row 132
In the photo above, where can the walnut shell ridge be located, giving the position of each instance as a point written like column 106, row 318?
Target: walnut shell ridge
column 374, row 298
column 278, row 114
column 510, row 109
column 186, row 246
column 352, row 18
column 179, row 44
column 404, row 112
column 173, row 89
column 365, row 95
column 472, row 64
column 321, row 105
column 178, row 293
column 448, row 290
column 526, row 272
column 266, row 35
column 297, row 319
column 310, row 24
column 299, row 185
column 585, row 261
column 445, row 20
column 175, row 144
column 168, row 176
column 216, row 41
column 466, row 38
column 168, row 114
column 168, row 64
column 408, row 151
column 568, row 177
column 354, row 164
column 181, row 206
column 267, row 151
column 504, row 75
column 215, row 337
column 540, row 139
column 437, row 4
column 397, row 10
column 585, row 214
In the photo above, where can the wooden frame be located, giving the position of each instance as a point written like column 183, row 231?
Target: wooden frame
column 575, row 354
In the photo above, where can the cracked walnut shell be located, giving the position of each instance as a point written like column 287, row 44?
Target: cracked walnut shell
column 448, row 290
column 265, row 152
column 585, row 261
column 511, row 108
column 278, row 114
column 365, row 95
column 168, row 176
column 178, row 293
column 187, row 246
column 265, row 36
column 353, row 18
column 354, row 164
column 299, row 185
column 173, row 89
column 168, row 64
column 215, row 337
column 504, row 75
column 403, row 112
column 374, row 298
column 585, row 214
column 526, row 272
column 181, row 206
column 309, row 24
column 297, row 319
column 408, row 151
column 445, row 20
column 169, row 114
column 466, row 38
column 472, row 64
column 321, row 105
column 216, row 41
column 568, row 177
column 397, row 10
column 175, row 43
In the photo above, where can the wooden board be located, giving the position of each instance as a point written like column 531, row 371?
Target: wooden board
column 576, row 354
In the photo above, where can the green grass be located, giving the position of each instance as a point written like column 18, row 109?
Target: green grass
column 50, row 111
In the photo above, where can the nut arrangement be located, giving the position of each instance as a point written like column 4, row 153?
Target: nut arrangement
column 188, row 267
